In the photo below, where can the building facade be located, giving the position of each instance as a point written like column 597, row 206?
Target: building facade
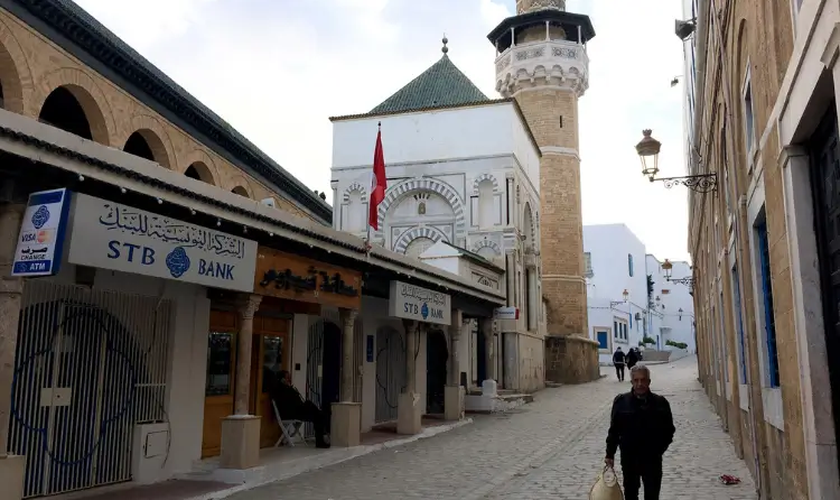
column 463, row 170
column 143, row 284
column 763, row 243
column 542, row 63
column 631, row 302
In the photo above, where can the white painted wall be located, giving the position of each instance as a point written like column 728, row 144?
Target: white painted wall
column 609, row 246
column 674, row 325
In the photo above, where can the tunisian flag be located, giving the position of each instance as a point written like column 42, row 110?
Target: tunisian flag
column 378, row 182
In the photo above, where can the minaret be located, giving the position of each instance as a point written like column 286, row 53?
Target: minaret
column 542, row 63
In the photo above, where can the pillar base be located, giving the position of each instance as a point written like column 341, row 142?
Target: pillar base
column 409, row 414
column 453, row 406
column 240, row 442
column 12, row 472
column 346, row 424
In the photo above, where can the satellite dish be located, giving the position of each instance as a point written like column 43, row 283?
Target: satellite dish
column 684, row 29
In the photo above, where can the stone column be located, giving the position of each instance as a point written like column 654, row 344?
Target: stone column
column 346, row 417
column 486, row 326
column 409, row 408
column 453, row 406
column 241, row 431
column 12, row 467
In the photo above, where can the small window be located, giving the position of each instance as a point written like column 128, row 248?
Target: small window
column 749, row 125
column 665, row 291
column 587, row 265
column 767, row 300
column 603, row 339
column 630, row 264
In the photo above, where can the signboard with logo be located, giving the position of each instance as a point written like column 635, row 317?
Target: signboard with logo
column 112, row 236
column 293, row 277
column 420, row 304
column 510, row 313
column 41, row 238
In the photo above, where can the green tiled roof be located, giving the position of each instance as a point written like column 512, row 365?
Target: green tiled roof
column 442, row 84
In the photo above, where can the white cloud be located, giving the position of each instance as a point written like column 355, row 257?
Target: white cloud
column 277, row 69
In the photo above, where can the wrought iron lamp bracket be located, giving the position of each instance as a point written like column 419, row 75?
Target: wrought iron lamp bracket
column 701, row 183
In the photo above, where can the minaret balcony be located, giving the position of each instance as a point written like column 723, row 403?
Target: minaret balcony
column 548, row 62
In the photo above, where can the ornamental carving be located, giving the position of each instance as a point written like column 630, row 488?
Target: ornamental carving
column 545, row 4
column 530, row 54
column 565, row 52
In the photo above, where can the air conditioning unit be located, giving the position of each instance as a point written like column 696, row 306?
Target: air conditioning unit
column 269, row 202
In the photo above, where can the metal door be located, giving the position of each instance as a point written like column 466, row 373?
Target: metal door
column 390, row 373
column 89, row 366
column 825, row 187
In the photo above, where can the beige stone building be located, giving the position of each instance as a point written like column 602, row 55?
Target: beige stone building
column 764, row 243
column 542, row 63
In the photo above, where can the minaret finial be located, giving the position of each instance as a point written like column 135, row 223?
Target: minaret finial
column 445, row 41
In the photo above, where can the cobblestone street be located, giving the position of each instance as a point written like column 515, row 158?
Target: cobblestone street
column 550, row 449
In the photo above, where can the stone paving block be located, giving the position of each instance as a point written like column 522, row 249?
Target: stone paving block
column 550, row 449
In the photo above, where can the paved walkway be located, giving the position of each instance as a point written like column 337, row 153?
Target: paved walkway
column 550, row 449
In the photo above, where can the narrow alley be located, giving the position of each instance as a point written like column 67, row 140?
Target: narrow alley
column 550, row 449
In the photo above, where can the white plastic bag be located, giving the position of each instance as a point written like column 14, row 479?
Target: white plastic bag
column 606, row 487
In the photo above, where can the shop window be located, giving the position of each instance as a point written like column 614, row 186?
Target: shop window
column 219, row 364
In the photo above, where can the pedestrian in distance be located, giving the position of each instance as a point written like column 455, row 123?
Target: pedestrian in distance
column 642, row 427
column 618, row 361
column 632, row 358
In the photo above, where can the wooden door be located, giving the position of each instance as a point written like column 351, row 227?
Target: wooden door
column 219, row 386
column 271, row 353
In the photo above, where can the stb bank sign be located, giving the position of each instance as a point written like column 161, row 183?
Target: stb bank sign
column 109, row 235
column 420, row 304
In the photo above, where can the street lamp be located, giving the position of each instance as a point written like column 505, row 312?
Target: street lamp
column 624, row 294
column 648, row 150
column 680, row 311
column 667, row 268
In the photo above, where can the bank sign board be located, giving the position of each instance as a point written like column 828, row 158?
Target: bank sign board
column 420, row 304
column 41, row 238
column 113, row 236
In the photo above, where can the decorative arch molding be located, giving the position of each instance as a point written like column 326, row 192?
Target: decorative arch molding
column 90, row 97
column 155, row 134
column 412, row 234
column 14, row 70
column 199, row 156
column 353, row 187
column 481, row 244
column 526, row 211
column 403, row 189
column 239, row 184
column 485, row 177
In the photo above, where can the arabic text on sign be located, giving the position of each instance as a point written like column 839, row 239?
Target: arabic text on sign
column 171, row 231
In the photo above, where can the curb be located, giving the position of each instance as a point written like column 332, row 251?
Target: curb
column 355, row 452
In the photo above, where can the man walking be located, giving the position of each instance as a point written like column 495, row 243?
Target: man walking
column 641, row 425
column 618, row 361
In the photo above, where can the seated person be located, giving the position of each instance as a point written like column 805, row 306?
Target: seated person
column 292, row 406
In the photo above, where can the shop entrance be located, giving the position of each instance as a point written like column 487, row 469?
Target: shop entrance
column 269, row 355
column 437, row 356
column 90, row 366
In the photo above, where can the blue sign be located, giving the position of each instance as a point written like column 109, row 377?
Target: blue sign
column 41, row 239
column 369, row 348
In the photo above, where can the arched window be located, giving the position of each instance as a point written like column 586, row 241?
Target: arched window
column 200, row 172
column 418, row 246
column 486, row 215
column 241, row 191
column 354, row 212
column 62, row 110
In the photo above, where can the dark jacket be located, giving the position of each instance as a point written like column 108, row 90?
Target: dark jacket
column 642, row 428
column 632, row 358
column 287, row 398
column 618, row 357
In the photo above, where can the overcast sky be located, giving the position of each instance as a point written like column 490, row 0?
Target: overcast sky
column 277, row 69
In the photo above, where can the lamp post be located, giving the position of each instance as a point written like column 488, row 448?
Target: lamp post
column 648, row 149
column 680, row 311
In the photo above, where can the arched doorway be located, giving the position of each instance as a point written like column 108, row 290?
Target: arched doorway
column 437, row 357
column 73, row 110
column 390, row 373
